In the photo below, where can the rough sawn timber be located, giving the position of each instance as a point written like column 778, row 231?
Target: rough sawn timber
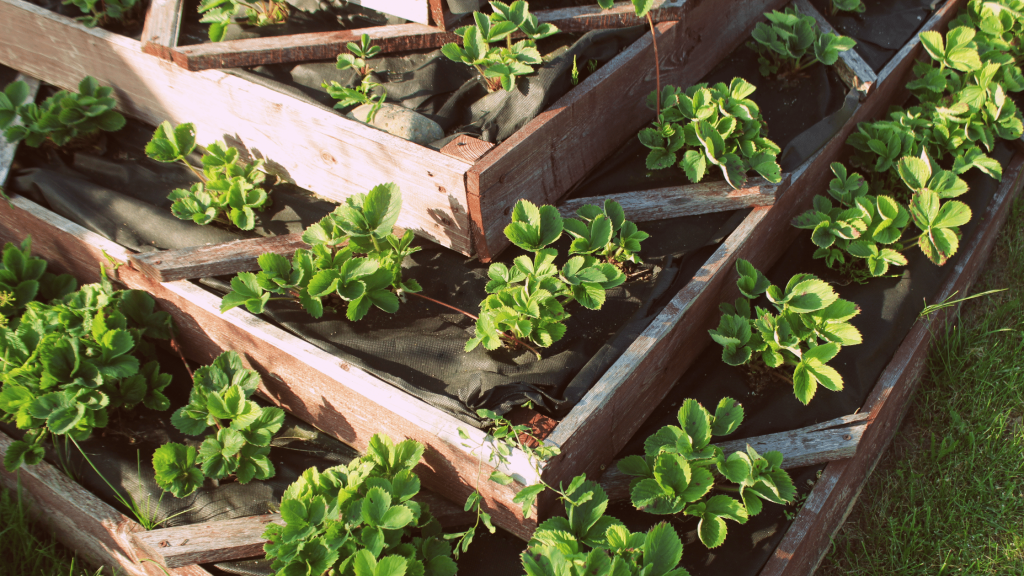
column 215, row 260
column 80, row 520
column 163, row 24
column 607, row 417
column 830, row 502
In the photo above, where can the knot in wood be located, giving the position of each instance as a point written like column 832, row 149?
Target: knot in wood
column 164, row 543
column 326, row 157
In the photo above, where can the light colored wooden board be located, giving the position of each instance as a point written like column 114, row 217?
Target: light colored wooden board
column 163, row 24
column 689, row 200
column 857, row 73
column 466, row 148
column 216, row 260
column 412, row 10
column 9, row 149
column 317, row 149
column 80, row 520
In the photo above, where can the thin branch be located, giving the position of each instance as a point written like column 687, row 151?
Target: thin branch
column 657, row 62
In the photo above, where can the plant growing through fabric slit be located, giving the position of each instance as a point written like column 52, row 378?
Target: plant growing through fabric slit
column 219, row 14
column 706, row 128
column 681, row 467
column 361, row 94
column 500, row 65
column 100, row 12
column 66, row 118
column 810, row 327
column 67, row 365
column 527, row 300
column 240, row 443
column 354, row 258
column 360, row 519
column 791, row 42
column 848, row 6
column 227, row 192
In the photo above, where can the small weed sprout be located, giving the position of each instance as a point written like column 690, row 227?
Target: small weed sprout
column 219, row 14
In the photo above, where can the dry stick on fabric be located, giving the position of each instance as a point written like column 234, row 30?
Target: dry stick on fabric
column 657, row 64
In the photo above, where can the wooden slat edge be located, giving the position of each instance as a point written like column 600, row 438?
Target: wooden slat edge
column 80, row 520
column 215, row 260
column 163, row 24
column 9, row 149
column 620, row 15
column 851, row 67
column 830, row 502
column 689, row 200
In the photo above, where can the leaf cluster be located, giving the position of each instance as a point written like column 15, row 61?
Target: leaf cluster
column 856, row 6
column 219, row 14
column 1000, row 26
column 360, row 519
column 500, row 65
column 229, row 189
column 358, row 55
column 24, row 279
column 680, row 466
column 240, row 445
column 527, row 299
column 353, row 256
column 67, row 365
column 99, row 12
column 62, row 118
column 711, row 127
column 809, row 329
column 791, row 42
column 586, row 541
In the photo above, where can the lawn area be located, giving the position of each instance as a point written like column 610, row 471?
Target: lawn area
column 26, row 550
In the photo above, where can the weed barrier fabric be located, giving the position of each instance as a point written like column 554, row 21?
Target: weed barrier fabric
column 453, row 94
column 801, row 117
column 883, row 28
column 130, row 27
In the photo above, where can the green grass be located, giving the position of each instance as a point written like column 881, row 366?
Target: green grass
column 948, row 495
column 28, row 550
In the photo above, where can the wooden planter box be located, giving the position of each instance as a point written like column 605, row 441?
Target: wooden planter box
column 459, row 197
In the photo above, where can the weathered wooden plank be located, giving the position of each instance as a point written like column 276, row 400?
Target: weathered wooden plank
column 226, row 540
column 163, row 23
column 559, row 147
column 216, row 260
column 412, row 10
column 313, row 147
column 321, row 389
column 851, row 67
column 830, row 502
column 9, row 149
column 466, row 148
column 80, row 520
column 819, row 444
column 441, row 16
column 304, row 47
column 620, row 15
column 689, row 200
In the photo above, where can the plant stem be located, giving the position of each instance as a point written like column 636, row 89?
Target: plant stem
column 657, row 62
column 193, row 169
column 506, row 336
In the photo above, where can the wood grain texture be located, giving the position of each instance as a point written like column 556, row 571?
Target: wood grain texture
column 215, row 260
column 240, row 538
column 557, row 149
column 163, row 23
column 466, row 148
column 313, row 147
column 597, row 428
column 80, row 520
column 857, row 73
column 321, row 389
column 688, row 200
column 809, row 537
column 620, row 15
column 819, row 444
column 306, row 47
column 9, row 149
column 413, row 10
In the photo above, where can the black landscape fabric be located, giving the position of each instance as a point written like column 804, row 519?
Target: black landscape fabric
column 883, row 28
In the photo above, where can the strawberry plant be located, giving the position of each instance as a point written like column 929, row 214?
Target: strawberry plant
column 99, row 12
column 1000, row 26
column 240, row 444
column 219, row 14
column 24, row 279
column 358, row 55
column 848, row 6
column 228, row 191
column 353, row 257
column 361, row 94
column 710, row 128
column 500, row 65
column 63, row 119
column 811, row 326
column 360, row 519
column 680, row 467
column 791, row 42
column 68, row 365
column 527, row 301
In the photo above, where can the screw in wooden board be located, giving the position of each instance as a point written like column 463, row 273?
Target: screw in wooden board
column 847, row 437
column 164, row 544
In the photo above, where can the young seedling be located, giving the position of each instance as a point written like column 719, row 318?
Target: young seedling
column 856, row 6
column 354, row 259
column 361, row 94
column 717, row 127
column 64, row 119
column 790, row 42
column 219, row 14
column 811, row 326
column 100, row 12
column 239, row 445
column 361, row 519
column 358, row 55
column 227, row 191
column 681, row 467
